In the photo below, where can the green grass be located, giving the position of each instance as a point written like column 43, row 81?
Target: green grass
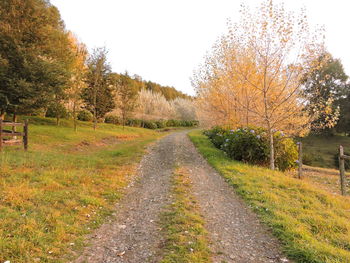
column 312, row 224
column 320, row 150
column 63, row 187
column 183, row 226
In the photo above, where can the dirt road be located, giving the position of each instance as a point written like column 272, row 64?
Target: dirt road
column 134, row 236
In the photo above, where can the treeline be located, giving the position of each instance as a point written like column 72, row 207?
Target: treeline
column 46, row 70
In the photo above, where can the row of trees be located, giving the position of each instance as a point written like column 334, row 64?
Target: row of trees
column 153, row 105
column 266, row 71
column 44, row 67
column 126, row 96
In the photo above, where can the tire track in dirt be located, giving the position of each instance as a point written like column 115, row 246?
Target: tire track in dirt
column 133, row 236
column 235, row 231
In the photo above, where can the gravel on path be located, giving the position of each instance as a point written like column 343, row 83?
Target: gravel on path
column 235, row 231
column 133, row 236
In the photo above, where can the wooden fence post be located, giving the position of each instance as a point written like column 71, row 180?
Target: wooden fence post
column 25, row 137
column 300, row 160
column 0, row 134
column 342, row 169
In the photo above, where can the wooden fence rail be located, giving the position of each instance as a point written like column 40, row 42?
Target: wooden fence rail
column 342, row 158
column 13, row 133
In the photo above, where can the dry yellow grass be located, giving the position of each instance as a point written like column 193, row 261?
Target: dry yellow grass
column 53, row 195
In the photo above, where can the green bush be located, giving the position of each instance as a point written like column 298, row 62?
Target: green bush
column 155, row 124
column 192, row 123
column 170, row 123
column 216, row 135
column 251, row 145
column 286, row 152
column 85, row 115
column 160, row 124
column 56, row 109
column 134, row 123
column 181, row 123
column 149, row 125
column 113, row 119
column 247, row 145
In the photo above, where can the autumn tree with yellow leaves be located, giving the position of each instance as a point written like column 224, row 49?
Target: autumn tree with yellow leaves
column 78, row 74
column 253, row 75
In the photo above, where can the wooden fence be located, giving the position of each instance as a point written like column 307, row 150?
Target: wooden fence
column 13, row 134
column 342, row 158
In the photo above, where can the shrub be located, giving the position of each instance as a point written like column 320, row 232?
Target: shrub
column 195, row 123
column 160, row 124
column 181, row 123
column 286, row 152
column 157, row 124
column 216, row 135
column 251, row 145
column 247, row 145
column 113, row 119
column 150, row 125
column 134, row 123
column 56, row 109
column 170, row 123
column 85, row 115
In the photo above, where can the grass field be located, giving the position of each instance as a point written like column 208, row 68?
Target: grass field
column 320, row 150
column 312, row 224
column 325, row 178
column 63, row 187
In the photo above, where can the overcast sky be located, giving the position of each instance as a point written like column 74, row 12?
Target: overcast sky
column 165, row 40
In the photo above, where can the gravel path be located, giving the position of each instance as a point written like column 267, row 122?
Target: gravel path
column 134, row 237
column 235, row 231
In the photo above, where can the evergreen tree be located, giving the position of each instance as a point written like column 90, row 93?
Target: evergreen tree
column 34, row 55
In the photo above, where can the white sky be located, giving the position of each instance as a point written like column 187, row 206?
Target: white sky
column 165, row 40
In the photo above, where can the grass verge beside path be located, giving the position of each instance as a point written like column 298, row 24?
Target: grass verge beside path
column 63, row 187
column 312, row 224
column 183, row 226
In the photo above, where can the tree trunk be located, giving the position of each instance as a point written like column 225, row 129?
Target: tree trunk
column 95, row 120
column 272, row 151
column 123, row 117
column 2, row 115
column 95, row 111
column 74, row 116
